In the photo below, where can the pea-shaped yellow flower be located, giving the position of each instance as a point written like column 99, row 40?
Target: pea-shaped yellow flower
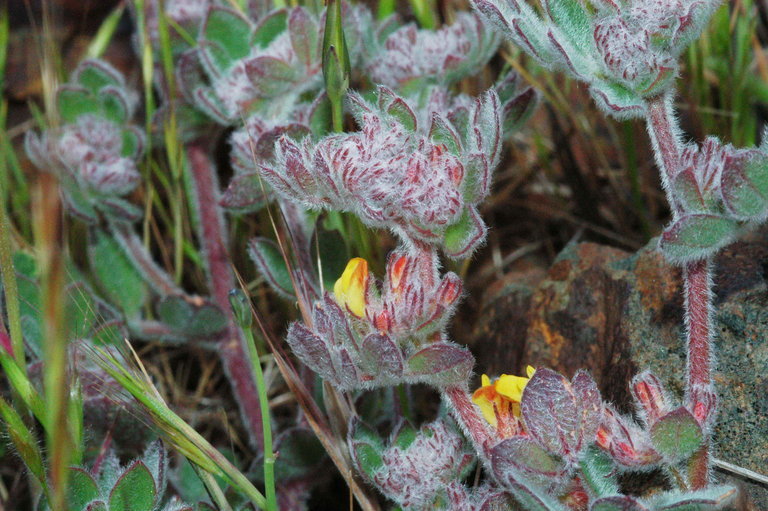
column 350, row 288
column 501, row 398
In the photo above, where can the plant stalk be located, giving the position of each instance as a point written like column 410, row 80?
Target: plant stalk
column 269, row 456
column 232, row 350
column 56, row 378
column 466, row 414
column 663, row 131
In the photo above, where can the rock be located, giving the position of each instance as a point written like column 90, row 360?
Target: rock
column 617, row 313
column 498, row 338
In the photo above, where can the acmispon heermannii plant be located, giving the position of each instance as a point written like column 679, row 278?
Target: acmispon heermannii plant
column 419, row 165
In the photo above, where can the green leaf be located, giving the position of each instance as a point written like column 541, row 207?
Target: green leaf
column 659, row 83
column 320, row 118
column 710, row 499
column 271, row 264
column 206, row 320
column 367, row 447
column 156, row 460
column 96, row 505
column 463, row 236
column 441, row 132
column 269, row 28
column 745, row 185
column 24, row 441
column 405, row 436
column 78, row 202
column 598, row 472
column 686, row 188
column 677, row 435
column 518, row 110
column 73, row 102
column 230, row 31
column 400, row 110
column 29, row 299
column 617, row 503
column 118, row 277
column 133, row 143
column 119, row 209
column 304, row 34
column 300, row 454
column 527, row 456
column 95, row 74
column 531, row 496
column 361, row 432
column 245, row 193
column 81, row 489
column 574, row 21
column 617, row 100
column 270, row 75
column 114, row 105
column 198, row 320
column 694, row 237
column 368, row 459
column 134, row 490
column 441, row 363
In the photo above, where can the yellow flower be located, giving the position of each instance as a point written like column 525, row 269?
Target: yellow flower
column 350, row 288
column 501, row 399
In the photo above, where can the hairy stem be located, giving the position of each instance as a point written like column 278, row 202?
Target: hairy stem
column 466, row 414
column 698, row 299
column 210, row 224
column 663, row 130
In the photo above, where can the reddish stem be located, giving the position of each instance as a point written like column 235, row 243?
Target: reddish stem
column 466, row 414
column 661, row 128
column 696, row 275
column 698, row 297
column 211, row 235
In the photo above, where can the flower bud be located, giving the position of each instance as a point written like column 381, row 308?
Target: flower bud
column 650, row 396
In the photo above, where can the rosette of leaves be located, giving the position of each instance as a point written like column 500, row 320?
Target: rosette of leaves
column 409, row 57
column 626, row 50
column 719, row 192
column 367, row 336
column 138, row 486
column 94, row 150
column 416, row 467
column 422, row 182
column 253, row 144
column 247, row 67
column 350, row 353
column 574, row 446
column 183, row 19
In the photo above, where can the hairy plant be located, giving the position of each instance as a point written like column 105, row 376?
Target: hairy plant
column 417, row 160
column 137, row 486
